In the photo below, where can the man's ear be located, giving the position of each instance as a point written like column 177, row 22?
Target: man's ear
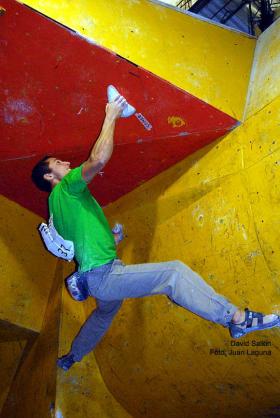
column 48, row 176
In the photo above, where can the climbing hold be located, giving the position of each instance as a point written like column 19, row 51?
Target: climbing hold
column 112, row 93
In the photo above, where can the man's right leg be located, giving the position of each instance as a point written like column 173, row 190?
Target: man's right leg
column 172, row 278
column 184, row 287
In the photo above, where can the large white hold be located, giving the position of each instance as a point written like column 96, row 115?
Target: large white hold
column 112, row 93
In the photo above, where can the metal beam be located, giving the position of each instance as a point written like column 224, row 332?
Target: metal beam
column 199, row 5
column 233, row 12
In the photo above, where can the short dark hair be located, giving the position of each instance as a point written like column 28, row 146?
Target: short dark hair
column 41, row 168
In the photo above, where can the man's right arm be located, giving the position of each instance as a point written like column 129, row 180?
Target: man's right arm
column 103, row 148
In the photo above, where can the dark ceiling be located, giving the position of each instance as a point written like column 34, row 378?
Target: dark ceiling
column 245, row 15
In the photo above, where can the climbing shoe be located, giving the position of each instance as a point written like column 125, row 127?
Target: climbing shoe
column 65, row 362
column 254, row 321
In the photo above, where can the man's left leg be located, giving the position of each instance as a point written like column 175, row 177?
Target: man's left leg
column 91, row 332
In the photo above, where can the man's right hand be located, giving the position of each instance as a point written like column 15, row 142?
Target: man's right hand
column 115, row 108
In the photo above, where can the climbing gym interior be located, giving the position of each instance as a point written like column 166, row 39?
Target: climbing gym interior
column 194, row 177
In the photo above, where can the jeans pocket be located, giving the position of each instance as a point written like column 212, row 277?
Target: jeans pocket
column 96, row 276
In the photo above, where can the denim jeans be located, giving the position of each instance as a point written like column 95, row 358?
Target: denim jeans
column 115, row 281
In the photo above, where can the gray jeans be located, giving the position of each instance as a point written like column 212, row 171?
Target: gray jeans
column 115, row 281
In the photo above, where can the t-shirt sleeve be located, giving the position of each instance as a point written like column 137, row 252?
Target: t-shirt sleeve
column 74, row 182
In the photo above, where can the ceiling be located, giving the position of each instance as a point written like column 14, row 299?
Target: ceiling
column 245, row 15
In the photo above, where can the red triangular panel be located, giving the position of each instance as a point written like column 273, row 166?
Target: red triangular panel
column 53, row 96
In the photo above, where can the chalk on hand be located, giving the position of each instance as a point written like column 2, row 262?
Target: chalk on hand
column 112, row 93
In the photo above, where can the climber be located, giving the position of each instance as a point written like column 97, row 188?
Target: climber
column 78, row 227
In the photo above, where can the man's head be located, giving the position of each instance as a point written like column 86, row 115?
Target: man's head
column 48, row 172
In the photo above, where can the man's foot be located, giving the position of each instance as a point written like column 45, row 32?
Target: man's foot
column 65, row 362
column 252, row 321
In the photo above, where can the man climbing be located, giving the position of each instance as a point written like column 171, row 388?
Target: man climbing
column 79, row 220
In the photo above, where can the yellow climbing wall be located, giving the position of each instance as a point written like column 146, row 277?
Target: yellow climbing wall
column 26, row 278
column 206, row 60
column 218, row 211
column 10, row 354
column 33, row 388
column 26, row 267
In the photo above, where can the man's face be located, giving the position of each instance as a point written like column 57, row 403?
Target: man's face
column 58, row 168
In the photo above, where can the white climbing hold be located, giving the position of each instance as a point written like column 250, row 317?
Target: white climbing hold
column 112, row 93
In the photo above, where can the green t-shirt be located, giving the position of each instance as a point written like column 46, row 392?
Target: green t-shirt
column 78, row 217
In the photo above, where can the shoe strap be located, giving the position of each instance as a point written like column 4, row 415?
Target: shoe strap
column 250, row 315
